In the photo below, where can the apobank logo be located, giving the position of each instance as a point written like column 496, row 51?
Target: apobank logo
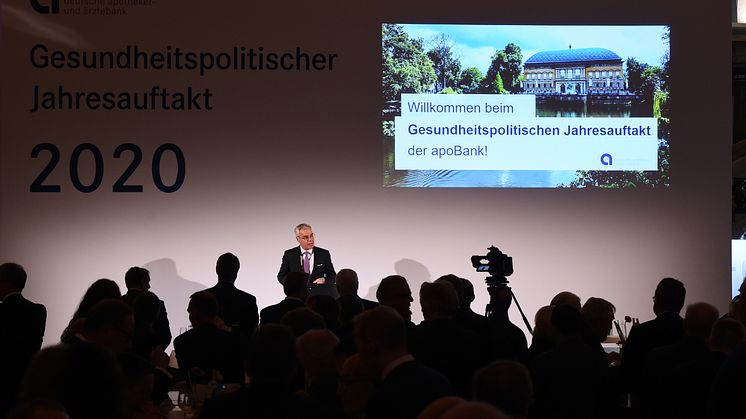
column 53, row 8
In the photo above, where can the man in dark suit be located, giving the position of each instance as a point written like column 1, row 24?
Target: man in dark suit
column 206, row 349
column 666, row 329
column 296, row 291
column 314, row 261
column 407, row 386
column 237, row 308
column 137, row 280
column 22, row 326
column 347, row 284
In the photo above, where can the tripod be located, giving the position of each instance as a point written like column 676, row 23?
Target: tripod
column 494, row 284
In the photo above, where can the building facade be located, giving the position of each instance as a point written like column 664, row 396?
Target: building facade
column 585, row 71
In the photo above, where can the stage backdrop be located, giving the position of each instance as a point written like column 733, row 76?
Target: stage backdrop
column 163, row 133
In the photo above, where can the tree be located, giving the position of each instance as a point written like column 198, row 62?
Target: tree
column 470, row 80
column 634, row 74
column 665, row 68
column 507, row 64
column 406, row 67
column 447, row 67
column 499, row 87
column 649, row 83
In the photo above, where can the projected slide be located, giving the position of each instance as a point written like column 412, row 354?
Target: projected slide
column 525, row 106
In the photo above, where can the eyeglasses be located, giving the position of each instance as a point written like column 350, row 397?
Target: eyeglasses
column 306, row 238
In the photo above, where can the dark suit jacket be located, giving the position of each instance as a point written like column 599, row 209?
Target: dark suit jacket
column 22, row 325
column 210, row 348
column 664, row 330
column 260, row 400
column 406, row 391
column 445, row 346
column 161, row 327
column 322, row 265
column 571, row 381
column 237, row 308
column 274, row 313
column 368, row 304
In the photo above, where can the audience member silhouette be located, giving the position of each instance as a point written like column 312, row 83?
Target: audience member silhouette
column 566, row 298
column 570, row 381
column 441, row 343
column 349, row 307
column 137, row 281
column 693, row 379
column 110, row 324
column 100, row 290
column 465, row 315
column 316, row 353
column 295, row 288
column 544, row 336
column 38, row 409
column 301, row 320
column 22, row 325
column 728, row 387
column 598, row 316
column 237, row 308
column 506, row 385
column 666, row 329
column 657, row 392
column 85, row 378
column 356, row 384
column 146, row 307
column 269, row 394
column 394, row 292
column 406, row 386
column 458, row 286
column 457, row 408
column 207, row 352
column 347, row 284
column 139, row 382
column 439, row 407
column 506, row 340
column 326, row 306
column 737, row 308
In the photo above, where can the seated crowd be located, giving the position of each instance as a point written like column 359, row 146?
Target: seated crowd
column 323, row 357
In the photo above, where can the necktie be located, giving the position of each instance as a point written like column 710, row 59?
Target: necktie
column 306, row 262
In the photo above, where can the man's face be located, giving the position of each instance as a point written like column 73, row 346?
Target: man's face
column 305, row 238
column 145, row 283
column 400, row 300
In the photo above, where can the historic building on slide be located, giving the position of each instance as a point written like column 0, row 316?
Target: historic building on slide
column 584, row 71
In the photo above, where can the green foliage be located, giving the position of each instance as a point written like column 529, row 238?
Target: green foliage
column 649, row 83
column 665, row 68
column 388, row 128
column 447, row 67
column 507, row 64
column 628, row 179
column 634, row 74
column 406, row 67
column 499, row 85
column 470, row 79
column 449, row 91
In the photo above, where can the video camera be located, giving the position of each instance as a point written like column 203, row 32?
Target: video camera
column 496, row 263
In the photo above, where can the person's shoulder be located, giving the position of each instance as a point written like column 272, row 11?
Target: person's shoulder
column 271, row 308
column 294, row 249
column 317, row 249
